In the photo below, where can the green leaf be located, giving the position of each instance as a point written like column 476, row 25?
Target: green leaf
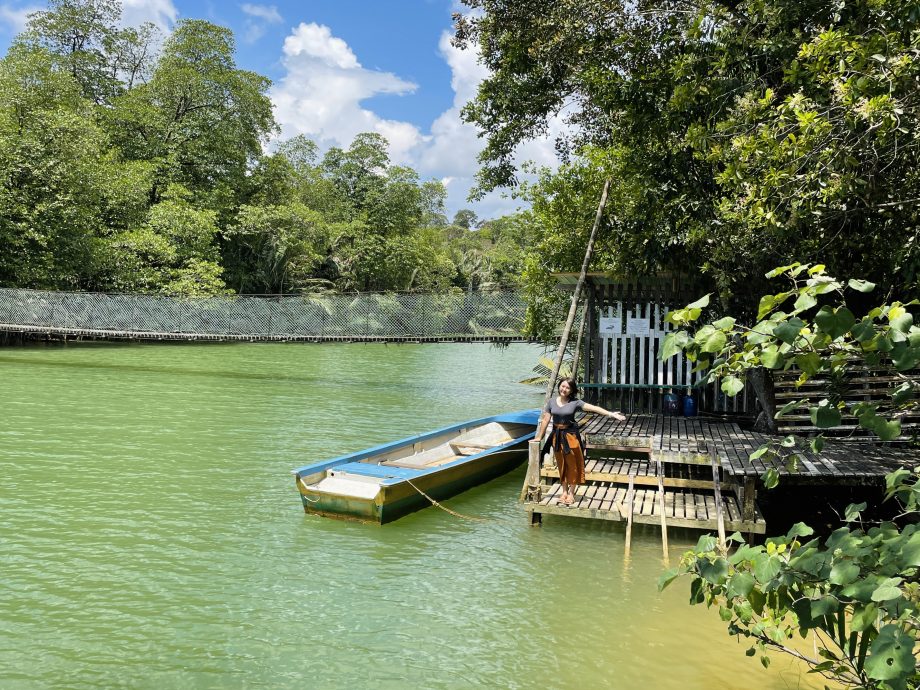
column 888, row 590
column 732, row 385
column 706, row 544
column 810, row 363
column 759, row 452
column 903, row 322
column 835, row 322
column 788, row 407
column 788, row 331
column 843, row 573
column 770, row 302
column 799, row 529
column 817, row 444
column 864, row 617
column 825, row 417
column 864, row 330
column 905, row 357
column 740, row 585
column 667, row 578
column 805, row 301
column 779, row 270
column 770, row 478
column 891, row 655
column 770, row 357
column 710, row 339
column 766, row 567
column 701, row 302
column 903, row 393
column 888, row 431
column 851, row 514
column 861, row 285
column 674, row 342
column 823, row 606
column 724, row 324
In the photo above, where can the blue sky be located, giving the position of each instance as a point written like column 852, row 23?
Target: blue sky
column 340, row 67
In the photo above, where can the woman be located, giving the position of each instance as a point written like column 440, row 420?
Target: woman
column 564, row 438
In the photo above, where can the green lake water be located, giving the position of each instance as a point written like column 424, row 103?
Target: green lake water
column 151, row 536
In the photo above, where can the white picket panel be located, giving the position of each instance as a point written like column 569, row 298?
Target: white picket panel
column 627, row 358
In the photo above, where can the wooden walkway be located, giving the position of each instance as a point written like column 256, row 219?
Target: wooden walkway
column 689, row 440
column 697, row 473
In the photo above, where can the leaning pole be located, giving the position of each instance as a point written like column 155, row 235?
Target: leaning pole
column 531, row 489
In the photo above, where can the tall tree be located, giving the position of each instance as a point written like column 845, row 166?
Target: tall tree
column 750, row 133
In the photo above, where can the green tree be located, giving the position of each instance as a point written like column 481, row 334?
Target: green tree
column 199, row 118
column 465, row 218
column 173, row 252
column 53, row 173
column 278, row 248
column 744, row 135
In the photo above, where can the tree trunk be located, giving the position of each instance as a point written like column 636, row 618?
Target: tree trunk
column 762, row 381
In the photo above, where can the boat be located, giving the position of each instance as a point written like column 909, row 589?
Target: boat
column 388, row 481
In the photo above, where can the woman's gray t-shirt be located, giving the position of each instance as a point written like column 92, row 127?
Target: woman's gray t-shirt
column 564, row 414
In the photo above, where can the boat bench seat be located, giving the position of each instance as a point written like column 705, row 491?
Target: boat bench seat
column 422, row 460
column 464, row 448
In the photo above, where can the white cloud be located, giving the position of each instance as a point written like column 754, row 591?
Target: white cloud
column 267, row 13
column 454, row 145
column 321, row 93
column 260, row 16
column 13, row 19
column 163, row 13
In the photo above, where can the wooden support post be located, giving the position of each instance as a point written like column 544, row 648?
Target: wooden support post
column 748, row 513
column 750, row 491
column 532, row 492
column 629, row 513
column 718, row 496
column 664, row 520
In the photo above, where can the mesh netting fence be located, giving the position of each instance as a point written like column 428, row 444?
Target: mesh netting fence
column 367, row 315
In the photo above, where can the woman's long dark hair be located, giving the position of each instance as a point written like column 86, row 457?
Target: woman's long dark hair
column 573, row 386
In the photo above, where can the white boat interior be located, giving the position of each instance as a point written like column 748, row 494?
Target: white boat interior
column 458, row 445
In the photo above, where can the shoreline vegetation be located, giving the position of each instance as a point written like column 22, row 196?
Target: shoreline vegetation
column 134, row 164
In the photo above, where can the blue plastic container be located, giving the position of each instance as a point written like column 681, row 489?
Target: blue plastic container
column 689, row 405
column 671, row 403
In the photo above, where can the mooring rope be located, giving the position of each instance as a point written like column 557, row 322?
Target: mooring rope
column 445, row 508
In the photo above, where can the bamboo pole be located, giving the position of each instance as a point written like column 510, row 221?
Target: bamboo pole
column 581, row 335
column 530, row 490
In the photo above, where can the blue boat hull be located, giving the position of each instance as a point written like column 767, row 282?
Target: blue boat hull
column 410, row 490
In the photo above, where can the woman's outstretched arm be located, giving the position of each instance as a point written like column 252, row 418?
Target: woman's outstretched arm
column 607, row 413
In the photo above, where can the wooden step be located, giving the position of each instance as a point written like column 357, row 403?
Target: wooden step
column 691, row 508
column 619, row 470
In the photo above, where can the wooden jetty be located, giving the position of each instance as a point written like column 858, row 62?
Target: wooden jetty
column 692, row 472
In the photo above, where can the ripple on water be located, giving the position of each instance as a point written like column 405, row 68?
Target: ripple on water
column 152, row 536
